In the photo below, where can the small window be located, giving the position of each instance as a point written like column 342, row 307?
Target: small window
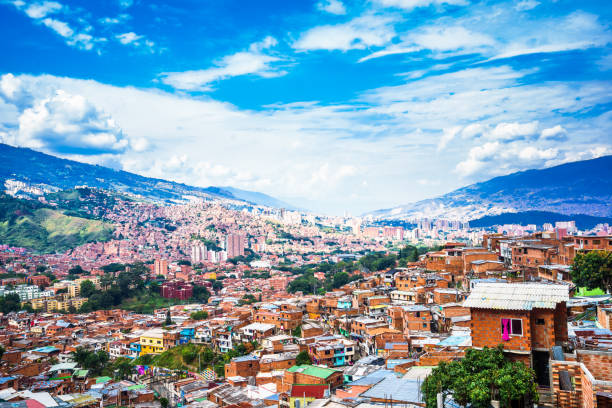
column 540, row 322
column 515, row 327
column 418, row 314
column 424, row 324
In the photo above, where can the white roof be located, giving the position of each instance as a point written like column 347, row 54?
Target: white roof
column 258, row 327
column 516, row 296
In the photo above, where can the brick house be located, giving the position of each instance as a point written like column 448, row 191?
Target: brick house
column 593, row 243
column 308, row 374
column 244, row 366
column 527, row 318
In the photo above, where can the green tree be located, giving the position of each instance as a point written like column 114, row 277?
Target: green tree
column 200, row 315
column 163, row 402
column 76, row 270
column 10, row 303
column 482, row 376
column 297, row 332
column 123, row 368
column 168, row 321
column 303, row 358
column 593, row 270
column 87, row 288
column 217, row 285
column 340, row 279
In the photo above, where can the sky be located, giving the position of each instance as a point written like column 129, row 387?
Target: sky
column 331, row 105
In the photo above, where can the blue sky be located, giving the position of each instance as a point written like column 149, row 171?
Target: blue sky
column 333, row 105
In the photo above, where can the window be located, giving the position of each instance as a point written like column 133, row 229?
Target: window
column 514, row 327
column 424, row 324
column 540, row 322
column 418, row 314
column 596, row 242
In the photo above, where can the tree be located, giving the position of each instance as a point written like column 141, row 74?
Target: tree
column 168, row 321
column 123, row 368
column 303, row 358
column 340, row 279
column 217, row 285
column 164, row 402
column 201, row 315
column 297, row 332
column 87, row 288
column 10, row 303
column 106, row 280
column 593, row 270
column 482, row 376
column 76, row 270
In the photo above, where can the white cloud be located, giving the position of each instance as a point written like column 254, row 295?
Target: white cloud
column 495, row 158
column 412, row 4
column 439, row 38
column 580, row 31
column 128, row 38
column 68, row 124
column 525, row 5
column 126, row 3
column 59, row 27
column 554, row 133
column 79, row 38
column 256, row 61
column 41, row 10
column 136, row 40
column 332, row 6
column 359, row 33
column 326, row 152
column 513, row 131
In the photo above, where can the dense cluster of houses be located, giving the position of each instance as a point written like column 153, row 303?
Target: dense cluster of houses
column 371, row 342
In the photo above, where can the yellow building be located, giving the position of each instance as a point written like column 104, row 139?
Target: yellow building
column 152, row 342
column 74, row 290
column 78, row 302
column 39, row 304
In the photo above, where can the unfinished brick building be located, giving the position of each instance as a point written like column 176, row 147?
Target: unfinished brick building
column 527, row 318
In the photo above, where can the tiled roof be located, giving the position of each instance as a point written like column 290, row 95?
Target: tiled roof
column 516, row 296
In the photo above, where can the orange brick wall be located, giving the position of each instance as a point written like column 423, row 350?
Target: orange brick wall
column 566, row 398
column 604, row 317
column 543, row 336
column 487, row 329
column 599, row 363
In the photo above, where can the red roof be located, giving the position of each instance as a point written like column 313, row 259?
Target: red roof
column 309, row 391
column 32, row 403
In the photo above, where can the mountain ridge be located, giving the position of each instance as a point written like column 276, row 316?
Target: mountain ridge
column 45, row 171
column 581, row 187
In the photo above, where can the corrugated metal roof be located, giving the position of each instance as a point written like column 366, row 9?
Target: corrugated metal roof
column 516, row 296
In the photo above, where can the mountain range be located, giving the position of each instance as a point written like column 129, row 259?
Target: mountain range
column 50, row 173
column 582, row 187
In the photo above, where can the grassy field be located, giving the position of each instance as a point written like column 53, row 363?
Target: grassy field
column 147, row 303
column 184, row 357
column 586, row 292
column 47, row 230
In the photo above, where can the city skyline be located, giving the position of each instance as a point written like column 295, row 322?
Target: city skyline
column 328, row 105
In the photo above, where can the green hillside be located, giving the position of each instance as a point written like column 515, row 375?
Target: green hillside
column 30, row 224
